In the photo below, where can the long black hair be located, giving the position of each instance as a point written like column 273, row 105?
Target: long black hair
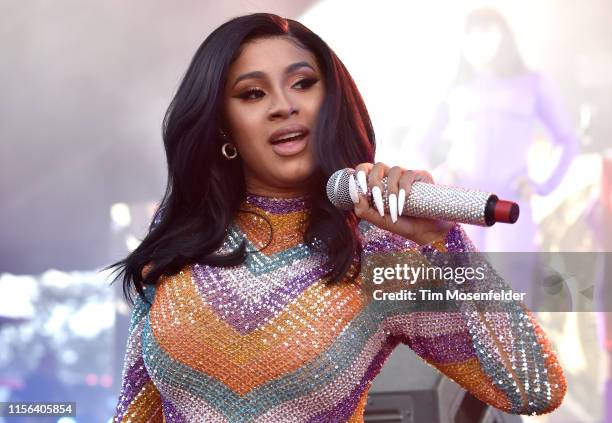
column 204, row 190
column 508, row 61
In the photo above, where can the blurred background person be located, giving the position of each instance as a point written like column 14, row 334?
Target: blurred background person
column 485, row 126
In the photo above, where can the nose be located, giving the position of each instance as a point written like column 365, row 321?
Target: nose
column 283, row 106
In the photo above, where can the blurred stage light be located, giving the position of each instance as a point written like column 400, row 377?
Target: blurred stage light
column 131, row 242
column 69, row 356
column 106, row 381
column 91, row 319
column 120, row 215
column 55, row 278
column 16, row 293
column 91, row 379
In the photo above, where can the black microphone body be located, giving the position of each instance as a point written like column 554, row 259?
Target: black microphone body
column 442, row 202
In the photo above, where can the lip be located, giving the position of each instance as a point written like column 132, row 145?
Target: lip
column 296, row 127
column 289, row 148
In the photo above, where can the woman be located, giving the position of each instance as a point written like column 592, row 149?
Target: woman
column 249, row 305
column 490, row 114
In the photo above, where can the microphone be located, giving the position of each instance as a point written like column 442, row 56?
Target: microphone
column 442, row 202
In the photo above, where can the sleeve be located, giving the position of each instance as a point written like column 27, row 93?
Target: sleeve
column 551, row 112
column 139, row 399
column 502, row 357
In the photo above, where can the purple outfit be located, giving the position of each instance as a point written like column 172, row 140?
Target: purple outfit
column 491, row 122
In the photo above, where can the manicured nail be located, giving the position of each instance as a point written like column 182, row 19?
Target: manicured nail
column 393, row 207
column 353, row 190
column 363, row 183
column 401, row 199
column 378, row 201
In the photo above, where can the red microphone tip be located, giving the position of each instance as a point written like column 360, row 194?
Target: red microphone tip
column 506, row 211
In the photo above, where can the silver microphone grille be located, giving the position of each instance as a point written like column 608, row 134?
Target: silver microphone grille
column 338, row 191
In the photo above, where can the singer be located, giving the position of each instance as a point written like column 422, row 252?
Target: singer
column 248, row 305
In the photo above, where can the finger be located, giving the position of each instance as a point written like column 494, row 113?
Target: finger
column 401, row 200
column 423, row 176
column 375, row 177
column 353, row 189
column 393, row 176
column 405, row 185
column 377, row 173
column 361, row 171
column 365, row 211
column 360, row 176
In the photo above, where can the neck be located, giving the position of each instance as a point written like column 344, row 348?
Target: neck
column 276, row 192
column 273, row 224
column 279, row 204
column 258, row 186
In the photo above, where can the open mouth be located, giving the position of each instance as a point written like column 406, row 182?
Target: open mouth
column 290, row 137
column 290, row 144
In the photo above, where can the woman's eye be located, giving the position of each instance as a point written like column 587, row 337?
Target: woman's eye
column 252, row 94
column 306, row 82
column 256, row 93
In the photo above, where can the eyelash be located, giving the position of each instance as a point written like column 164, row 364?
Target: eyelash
column 248, row 93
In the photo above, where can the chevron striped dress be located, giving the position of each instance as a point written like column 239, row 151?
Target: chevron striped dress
column 270, row 341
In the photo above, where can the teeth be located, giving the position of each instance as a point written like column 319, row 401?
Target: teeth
column 290, row 135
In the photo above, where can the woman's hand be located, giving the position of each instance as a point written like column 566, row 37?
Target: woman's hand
column 399, row 182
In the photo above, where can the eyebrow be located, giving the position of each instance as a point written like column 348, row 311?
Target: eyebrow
column 259, row 74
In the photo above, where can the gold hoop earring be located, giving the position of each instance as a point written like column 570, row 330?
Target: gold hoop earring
column 233, row 154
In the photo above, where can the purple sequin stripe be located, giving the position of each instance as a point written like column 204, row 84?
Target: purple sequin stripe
column 386, row 245
column 171, row 414
column 138, row 377
column 454, row 240
column 279, row 205
column 245, row 319
column 448, row 348
column 343, row 410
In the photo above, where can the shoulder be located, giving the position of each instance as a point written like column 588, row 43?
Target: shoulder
column 149, row 291
column 375, row 239
column 141, row 306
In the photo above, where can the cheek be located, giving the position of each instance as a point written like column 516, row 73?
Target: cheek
column 242, row 120
column 246, row 129
column 315, row 101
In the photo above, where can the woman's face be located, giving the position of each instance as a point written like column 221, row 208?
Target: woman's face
column 272, row 98
column 480, row 45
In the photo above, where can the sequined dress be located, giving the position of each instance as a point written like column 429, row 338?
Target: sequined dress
column 268, row 341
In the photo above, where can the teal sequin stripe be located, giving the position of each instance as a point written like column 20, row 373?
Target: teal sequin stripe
column 259, row 263
column 140, row 308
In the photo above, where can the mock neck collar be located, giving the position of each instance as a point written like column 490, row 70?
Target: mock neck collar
column 279, row 205
column 273, row 224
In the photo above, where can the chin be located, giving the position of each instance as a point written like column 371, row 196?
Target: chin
column 294, row 178
column 295, row 170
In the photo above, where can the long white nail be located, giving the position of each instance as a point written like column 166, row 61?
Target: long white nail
column 353, row 189
column 393, row 207
column 363, row 183
column 401, row 199
column 378, row 201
